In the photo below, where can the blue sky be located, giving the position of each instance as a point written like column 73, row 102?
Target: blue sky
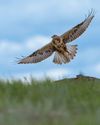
column 26, row 25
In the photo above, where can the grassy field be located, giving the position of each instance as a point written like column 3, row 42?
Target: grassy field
column 65, row 102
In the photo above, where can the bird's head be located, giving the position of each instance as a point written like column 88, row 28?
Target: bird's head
column 54, row 36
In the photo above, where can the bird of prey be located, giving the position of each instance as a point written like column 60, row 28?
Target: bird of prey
column 63, row 53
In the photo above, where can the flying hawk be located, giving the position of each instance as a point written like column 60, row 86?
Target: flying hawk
column 63, row 53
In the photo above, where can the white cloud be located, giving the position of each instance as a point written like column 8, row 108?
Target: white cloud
column 44, row 10
column 53, row 74
column 21, row 18
column 36, row 41
column 58, row 73
column 31, row 44
column 28, row 76
column 9, row 47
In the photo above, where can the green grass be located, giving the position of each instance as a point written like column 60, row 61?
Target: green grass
column 65, row 102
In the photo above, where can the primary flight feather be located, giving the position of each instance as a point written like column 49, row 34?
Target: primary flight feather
column 59, row 45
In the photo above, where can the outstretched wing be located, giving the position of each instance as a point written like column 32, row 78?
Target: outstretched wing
column 79, row 29
column 38, row 55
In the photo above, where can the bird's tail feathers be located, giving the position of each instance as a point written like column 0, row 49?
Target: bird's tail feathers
column 72, row 49
column 60, row 58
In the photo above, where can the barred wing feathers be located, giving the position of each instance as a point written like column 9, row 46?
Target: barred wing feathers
column 79, row 29
column 38, row 55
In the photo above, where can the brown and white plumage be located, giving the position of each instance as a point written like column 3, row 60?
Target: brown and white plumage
column 79, row 29
column 63, row 52
column 38, row 55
